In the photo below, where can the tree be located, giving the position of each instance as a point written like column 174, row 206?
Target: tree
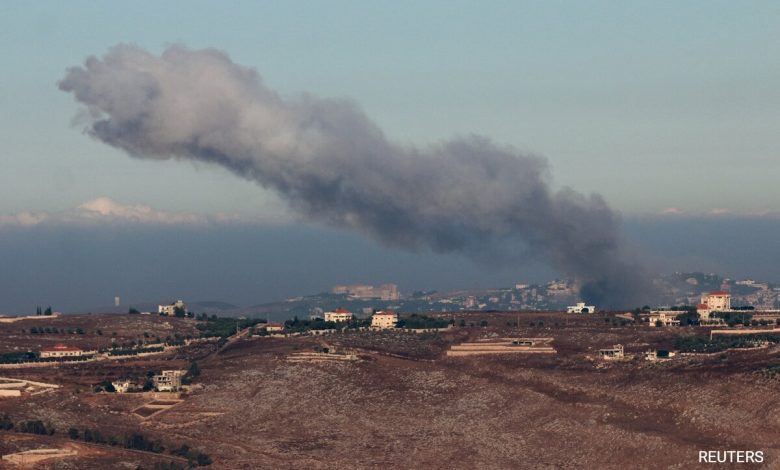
column 179, row 312
column 194, row 370
column 133, row 311
column 6, row 423
column 73, row 433
column 659, row 323
column 108, row 386
column 48, row 311
column 38, row 310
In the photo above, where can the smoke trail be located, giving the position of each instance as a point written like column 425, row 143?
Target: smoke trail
column 333, row 165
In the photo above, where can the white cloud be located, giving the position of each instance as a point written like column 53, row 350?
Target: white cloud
column 671, row 211
column 106, row 210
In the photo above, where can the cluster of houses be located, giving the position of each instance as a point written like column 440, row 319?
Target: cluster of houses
column 379, row 320
column 710, row 302
column 165, row 381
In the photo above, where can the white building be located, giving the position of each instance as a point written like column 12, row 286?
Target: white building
column 124, row 386
column 168, row 380
column 269, row 327
column 170, row 309
column 581, row 308
column 60, row 350
column 384, row 320
column 666, row 318
column 338, row 315
column 362, row 291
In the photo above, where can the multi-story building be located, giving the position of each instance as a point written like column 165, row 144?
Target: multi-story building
column 170, row 309
column 362, row 291
column 338, row 315
column 168, row 380
column 61, row 350
column 665, row 318
column 717, row 301
column 384, row 320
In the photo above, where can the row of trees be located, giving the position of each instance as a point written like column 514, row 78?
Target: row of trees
column 700, row 344
column 422, row 322
column 46, row 312
column 31, row 426
column 138, row 441
column 214, row 326
column 53, row 330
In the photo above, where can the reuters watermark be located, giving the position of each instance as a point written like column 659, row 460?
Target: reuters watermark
column 731, row 456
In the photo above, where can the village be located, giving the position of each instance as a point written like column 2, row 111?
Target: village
column 164, row 375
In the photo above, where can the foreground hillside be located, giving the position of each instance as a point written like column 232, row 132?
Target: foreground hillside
column 404, row 404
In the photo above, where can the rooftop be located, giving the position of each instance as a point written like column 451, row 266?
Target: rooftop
column 62, row 347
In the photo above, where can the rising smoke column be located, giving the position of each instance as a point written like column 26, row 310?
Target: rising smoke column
column 334, row 165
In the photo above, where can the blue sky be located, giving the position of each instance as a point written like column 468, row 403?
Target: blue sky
column 662, row 107
column 654, row 105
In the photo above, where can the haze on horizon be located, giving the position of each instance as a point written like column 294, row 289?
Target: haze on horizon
column 668, row 112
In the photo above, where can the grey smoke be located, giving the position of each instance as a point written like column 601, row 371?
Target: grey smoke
column 334, row 165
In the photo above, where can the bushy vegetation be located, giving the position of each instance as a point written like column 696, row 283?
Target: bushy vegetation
column 6, row 423
column 733, row 318
column 16, row 357
column 135, row 351
column 194, row 457
column 35, row 427
column 139, row 441
column 422, row 322
column 297, row 325
column 689, row 317
column 55, row 331
column 213, row 326
column 701, row 344
column 20, row 357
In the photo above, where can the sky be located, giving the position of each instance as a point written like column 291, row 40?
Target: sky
column 667, row 110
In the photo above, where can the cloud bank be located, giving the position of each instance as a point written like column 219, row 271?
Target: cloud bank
column 333, row 165
column 105, row 210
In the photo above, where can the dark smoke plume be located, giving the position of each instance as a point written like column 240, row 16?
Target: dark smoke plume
column 334, row 165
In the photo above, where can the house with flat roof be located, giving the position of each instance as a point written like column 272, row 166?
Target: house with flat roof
column 338, row 315
column 581, row 308
column 168, row 380
column 170, row 309
column 615, row 352
column 384, row 320
column 271, row 327
column 61, row 350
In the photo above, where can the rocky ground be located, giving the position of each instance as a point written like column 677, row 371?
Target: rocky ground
column 404, row 405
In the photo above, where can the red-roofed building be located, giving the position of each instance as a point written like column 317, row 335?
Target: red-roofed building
column 383, row 320
column 338, row 315
column 716, row 301
column 61, row 350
